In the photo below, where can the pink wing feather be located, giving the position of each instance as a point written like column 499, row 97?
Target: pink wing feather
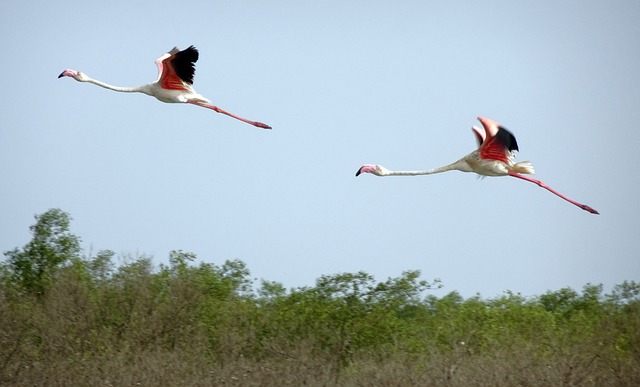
column 499, row 143
column 168, row 79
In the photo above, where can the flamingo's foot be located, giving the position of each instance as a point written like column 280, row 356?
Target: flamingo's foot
column 261, row 125
column 589, row 209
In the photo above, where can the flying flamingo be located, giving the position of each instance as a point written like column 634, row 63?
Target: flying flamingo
column 174, row 85
column 493, row 157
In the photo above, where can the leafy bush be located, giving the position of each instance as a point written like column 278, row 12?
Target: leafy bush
column 70, row 319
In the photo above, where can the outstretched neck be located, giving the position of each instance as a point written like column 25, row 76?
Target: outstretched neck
column 138, row 89
column 458, row 165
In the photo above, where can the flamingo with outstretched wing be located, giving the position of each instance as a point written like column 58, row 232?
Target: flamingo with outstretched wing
column 497, row 147
column 174, row 85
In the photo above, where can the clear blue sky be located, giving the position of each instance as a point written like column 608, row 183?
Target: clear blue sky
column 343, row 83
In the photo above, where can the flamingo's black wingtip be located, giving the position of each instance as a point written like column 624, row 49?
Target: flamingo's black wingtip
column 507, row 139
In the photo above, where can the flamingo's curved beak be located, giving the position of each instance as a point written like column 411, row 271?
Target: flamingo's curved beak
column 367, row 168
column 68, row 73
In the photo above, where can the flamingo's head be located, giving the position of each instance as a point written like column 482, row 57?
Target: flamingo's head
column 377, row 170
column 77, row 75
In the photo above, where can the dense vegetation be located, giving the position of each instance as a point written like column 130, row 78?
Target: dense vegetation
column 71, row 319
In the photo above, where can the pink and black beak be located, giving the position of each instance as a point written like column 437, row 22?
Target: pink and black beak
column 67, row 73
column 367, row 168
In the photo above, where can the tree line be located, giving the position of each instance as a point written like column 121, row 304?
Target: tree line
column 71, row 319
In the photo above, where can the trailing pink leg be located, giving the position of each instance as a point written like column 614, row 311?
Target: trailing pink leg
column 543, row 185
column 217, row 109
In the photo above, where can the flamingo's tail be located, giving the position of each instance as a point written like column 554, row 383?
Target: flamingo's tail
column 524, row 167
